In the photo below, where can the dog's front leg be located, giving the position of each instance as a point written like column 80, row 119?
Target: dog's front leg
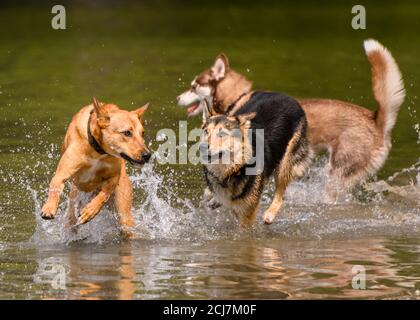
column 210, row 199
column 123, row 202
column 92, row 208
column 281, row 182
column 247, row 218
column 68, row 165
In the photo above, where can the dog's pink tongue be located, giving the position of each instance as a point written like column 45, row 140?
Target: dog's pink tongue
column 192, row 108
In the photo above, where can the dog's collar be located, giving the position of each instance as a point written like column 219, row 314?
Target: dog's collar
column 233, row 104
column 92, row 141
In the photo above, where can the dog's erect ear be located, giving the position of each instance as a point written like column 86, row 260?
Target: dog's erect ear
column 98, row 107
column 220, row 67
column 140, row 111
column 246, row 117
column 101, row 114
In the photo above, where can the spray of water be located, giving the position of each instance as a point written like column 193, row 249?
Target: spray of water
column 386, row 209
column 305, row 214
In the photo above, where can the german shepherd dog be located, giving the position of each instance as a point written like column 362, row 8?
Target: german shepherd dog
column 100, row 138
column 357, row 140
column 285, row 155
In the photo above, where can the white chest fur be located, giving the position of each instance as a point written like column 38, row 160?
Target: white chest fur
column 94, row 166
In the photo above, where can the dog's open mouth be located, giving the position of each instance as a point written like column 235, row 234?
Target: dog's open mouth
column 131, row 160
column 192, row 108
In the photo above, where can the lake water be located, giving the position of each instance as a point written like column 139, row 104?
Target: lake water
column 130, row 54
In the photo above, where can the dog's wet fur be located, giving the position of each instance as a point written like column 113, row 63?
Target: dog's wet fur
column 286, row 153
column 99, row 140
column 358, row 140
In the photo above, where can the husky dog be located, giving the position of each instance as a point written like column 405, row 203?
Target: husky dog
column 270, row 119
column 357, row 139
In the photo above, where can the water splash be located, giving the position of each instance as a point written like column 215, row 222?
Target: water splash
column 104, row 229
column 165, row 215
column 305, row 214
column 156, row 219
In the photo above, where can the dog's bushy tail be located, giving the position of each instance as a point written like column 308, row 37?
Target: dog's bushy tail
column 387, row 85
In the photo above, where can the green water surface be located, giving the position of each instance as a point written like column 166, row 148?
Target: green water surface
column 129, row 53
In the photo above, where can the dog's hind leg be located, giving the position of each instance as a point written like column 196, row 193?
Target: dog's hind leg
column 281, row 182
column 294, row 163
column 123, row 201
column 347, row 169
column 339, row 184
column 71, row 217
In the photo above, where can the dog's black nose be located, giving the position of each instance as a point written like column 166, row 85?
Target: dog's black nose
column 203, row 148
column 145, row 156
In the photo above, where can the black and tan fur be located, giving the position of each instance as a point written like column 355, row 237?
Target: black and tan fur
column 286, row 153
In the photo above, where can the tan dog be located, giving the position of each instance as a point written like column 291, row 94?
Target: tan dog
column 99, row 139
column 357, row 139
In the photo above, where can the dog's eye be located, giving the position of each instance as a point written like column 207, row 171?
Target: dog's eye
column 222, row 134
column 127, row 133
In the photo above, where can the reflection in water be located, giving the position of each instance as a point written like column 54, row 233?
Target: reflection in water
column 96, row 273
column 225, row 269
column 187, row 252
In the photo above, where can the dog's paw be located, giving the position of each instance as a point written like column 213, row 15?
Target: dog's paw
column 48, row 211
column 208, row 195
column 127, row 234
column 213, row 204
column 127, row 222
column 88, row 213
column 269, row 217
column 127, row 228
